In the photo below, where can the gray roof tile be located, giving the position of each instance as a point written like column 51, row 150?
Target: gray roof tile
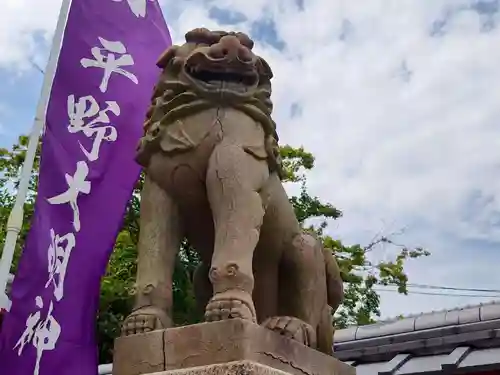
column 462, row 358
column 347, row 334
column 483, row 357
column 420, row 365
column 451, row 317
column 427, row 321
column 490, row 311
column 394, row 364
column 391, row 328
column 455, row 358
column 434, row 320
column 469, row 315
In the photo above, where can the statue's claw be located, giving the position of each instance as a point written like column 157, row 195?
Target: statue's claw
column 229, row 305
column 145, row 319
column 292, row 328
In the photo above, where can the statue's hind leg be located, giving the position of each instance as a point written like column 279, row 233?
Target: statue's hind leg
column 302, row 283
column 302, row 291
column 234, row 179
column 303, row 278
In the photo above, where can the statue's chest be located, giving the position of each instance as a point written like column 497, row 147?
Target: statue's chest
column 216, row 124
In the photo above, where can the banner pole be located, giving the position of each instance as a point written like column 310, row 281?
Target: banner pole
column 15, row 221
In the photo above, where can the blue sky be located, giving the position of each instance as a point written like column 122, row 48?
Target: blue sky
column 19, row 96
column 398, row 101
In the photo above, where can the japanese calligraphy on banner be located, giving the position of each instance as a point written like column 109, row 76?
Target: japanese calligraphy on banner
column 101, row 90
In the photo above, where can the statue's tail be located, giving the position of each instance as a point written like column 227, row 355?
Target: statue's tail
column 334, row 284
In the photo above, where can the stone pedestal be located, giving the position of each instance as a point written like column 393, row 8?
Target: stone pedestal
column 231, row 368
column 227, row 347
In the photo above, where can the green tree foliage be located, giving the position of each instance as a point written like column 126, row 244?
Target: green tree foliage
column 361, row 302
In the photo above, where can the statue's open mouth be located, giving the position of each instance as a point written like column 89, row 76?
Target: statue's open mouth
column 213, row 76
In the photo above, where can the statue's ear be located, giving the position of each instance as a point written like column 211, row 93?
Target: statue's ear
column 264, row 69
column 166, row 57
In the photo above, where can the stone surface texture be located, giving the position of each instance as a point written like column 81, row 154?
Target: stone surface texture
column 233, row 368
column 237, row 345
column 213, row 175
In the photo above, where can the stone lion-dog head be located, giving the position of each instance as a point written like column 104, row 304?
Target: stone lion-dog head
column 217, row 62
column 213, row 68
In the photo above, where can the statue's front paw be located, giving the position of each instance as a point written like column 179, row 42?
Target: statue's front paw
column 293, row 328
column 229, row 305
column 145, row 319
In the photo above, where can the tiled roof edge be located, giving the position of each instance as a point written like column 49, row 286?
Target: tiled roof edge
column 436, row 319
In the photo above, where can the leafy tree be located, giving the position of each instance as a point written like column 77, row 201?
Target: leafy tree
column 361, row 302
column 11, row 162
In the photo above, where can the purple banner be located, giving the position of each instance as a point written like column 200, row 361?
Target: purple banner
column 101, row 91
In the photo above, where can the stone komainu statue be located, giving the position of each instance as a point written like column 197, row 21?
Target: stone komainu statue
column 212, row 166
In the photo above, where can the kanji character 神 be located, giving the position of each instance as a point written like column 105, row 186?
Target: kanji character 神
column 31, row 324
column 43, row 334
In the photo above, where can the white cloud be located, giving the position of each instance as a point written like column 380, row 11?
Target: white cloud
column 405, row 147
column 23, row 23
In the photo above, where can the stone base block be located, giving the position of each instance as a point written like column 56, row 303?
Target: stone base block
column 232, row 342
column 231, row 368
